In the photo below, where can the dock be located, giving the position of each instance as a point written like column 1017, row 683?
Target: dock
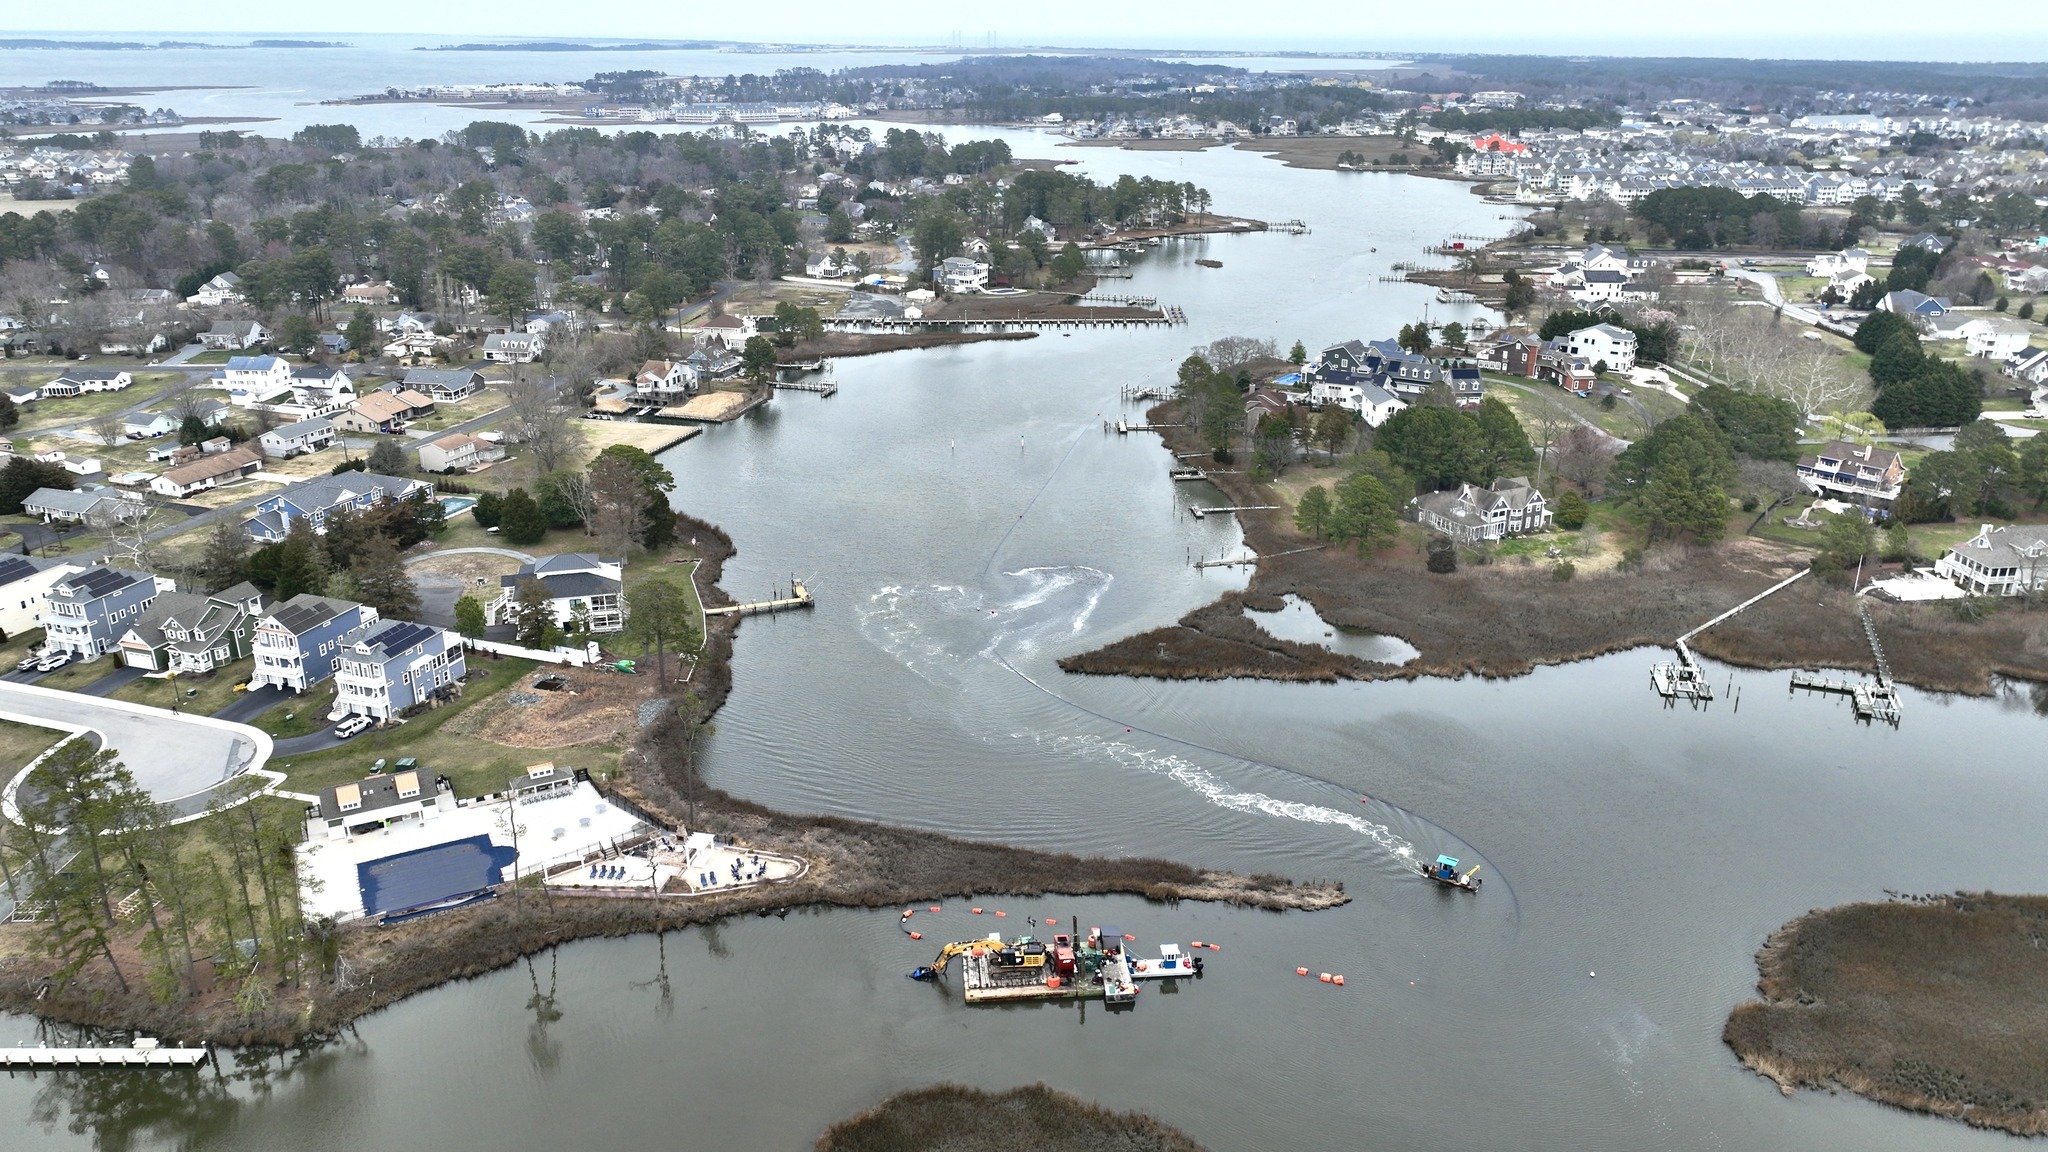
column 825, row 387
column 799, row 597
column 1200, row 512
column 1125, row 427
column 143, row 1053
column 1684, row 679
column 1873, row 701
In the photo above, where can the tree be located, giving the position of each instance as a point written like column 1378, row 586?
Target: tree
column 298, row 333
column 382, row 582
column 22, row 476
column 1583, row 456
column 533, row 616
column 225, row 559
column 488, row 510
column 361, row 334
column 1366, row 513
column 10, row 415
column 1312, row 514
column 296, row 564
column 1763, row 427
column 1876, row 328
column 1454, row 336
column 618, row 504
column 798, row 323
column 388, row 459
column 520, row 521
column 91, row 796
column 658, row 519
column 757, row 359
column 1898, row 359
column 1298, row 355
column 470, row 617
column 539, row 420
column 660, row 613
column 1414, row 338
column 1898, row 543
column 1846, row 539
column 1442, row 555
column 1439, row 447
column 1572, row 510
column 1503, row 445
column 108, row 428
column 1332, row 429
column 564, row 499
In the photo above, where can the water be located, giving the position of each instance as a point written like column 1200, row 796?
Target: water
column 954, row 565
column 1298, row 621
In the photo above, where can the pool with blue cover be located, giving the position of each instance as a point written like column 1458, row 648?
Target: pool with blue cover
column 410, row 881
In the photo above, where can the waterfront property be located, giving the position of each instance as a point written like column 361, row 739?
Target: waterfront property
column 1473, row 515
column 299, row 643
column 395, row 665
column 316, row 499
column 1370, row 402
column 2005, row 561
column 185, row 633
column 378, row 802
column 1858, row 473
column 88, row 611
column 586, row 592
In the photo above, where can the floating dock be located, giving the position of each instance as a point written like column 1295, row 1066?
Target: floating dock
column 144, row 1053
column 1878, row 701
column 826, row 387
column 799, row 597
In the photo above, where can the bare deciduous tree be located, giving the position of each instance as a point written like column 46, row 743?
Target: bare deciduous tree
column 1233, row 352
column 1582, row 457
column 107, row 428
column 539, row 418
column 128, row 527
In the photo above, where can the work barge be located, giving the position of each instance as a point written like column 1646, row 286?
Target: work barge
column 993, row 971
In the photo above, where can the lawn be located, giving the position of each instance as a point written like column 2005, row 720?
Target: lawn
column 300, row 715
column 46, row 414
column 21, row 743
column 200, row 694
column 75, row 675
column 476, row 766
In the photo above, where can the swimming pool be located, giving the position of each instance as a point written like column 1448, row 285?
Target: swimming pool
column 456, row 505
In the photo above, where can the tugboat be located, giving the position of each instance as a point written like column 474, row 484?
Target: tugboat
column 1445, row 872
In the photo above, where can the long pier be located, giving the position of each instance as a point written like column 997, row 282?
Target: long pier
column 143, row 1053
column 799, row 597
column 825, row 387
column 1233, row 509
column 1684, row 679
column 1125, row 427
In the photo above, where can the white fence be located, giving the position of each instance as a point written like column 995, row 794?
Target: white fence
column 582, row 657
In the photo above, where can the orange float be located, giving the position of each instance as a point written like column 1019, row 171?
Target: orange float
column 1000, row 912
column 1194, row 943
column 1301, row 971
column 1325, row 977
column 917, row 935
column 935, row 908
column 1337, row 979
column 977, row 911
column 1215, row 947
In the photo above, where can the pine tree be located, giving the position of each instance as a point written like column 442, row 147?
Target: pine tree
column 382, row 581
column 226, row 558
column 520, row 520
column 1312, row 515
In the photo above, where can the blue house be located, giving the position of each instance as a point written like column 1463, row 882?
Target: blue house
column 87, row 612
column 299, row 643
column 393, row 666
column 315, row 499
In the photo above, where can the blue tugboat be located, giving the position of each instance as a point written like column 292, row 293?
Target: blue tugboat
column 1445, row 872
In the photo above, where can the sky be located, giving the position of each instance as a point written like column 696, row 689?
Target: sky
column 1876, row 29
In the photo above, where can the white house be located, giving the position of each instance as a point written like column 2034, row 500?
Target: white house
column 515, row 347
column 251, row 380
column 24, row 585
column 1601, row 285
column 2001, row 561
column 1603, row 343
column 207, row 472
column 321, row 387
column 1831, row 264
column 81, row 380
column 586, row 592
column 2030, row 365
column 233, row 335
column 1507, row 507
column 89, row 505
column 1996, row 337
column 458, row 450
column 1373, row 404
column 959, row 274
column 225, row 288
column 297, row 439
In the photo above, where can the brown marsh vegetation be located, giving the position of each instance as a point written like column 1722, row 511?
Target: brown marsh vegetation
column 1937, row 1004
column 954, row 1118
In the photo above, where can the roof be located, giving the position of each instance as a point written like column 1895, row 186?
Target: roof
column 64, row 500
column 453, row 441
column 395, row 636
column 452, row 377
column 2005, row 547
column 567, row 562
column 307, row 611
column 1606, row 276
column 252, row 363
column 83, row 374
column 374, row 792
column 318, row 372
column 381, row 406
column 94, row 583
column 576, row 584
column 13, row 567
column 1863, row 456
column 1608, row 331
column 303, row 428
column 328, row 491
column 208, row 467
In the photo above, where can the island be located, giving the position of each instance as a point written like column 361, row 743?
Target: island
column 951, row 1116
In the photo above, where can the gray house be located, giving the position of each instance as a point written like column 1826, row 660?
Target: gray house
column 185, row 632
column 1472, row 515
column 297, row 439
column 87, row 613
column 445, row 385
column 299, row 643
column 395, row 665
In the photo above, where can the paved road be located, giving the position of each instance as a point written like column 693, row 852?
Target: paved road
column 305, row 745
column 180, row 759
column 1769, row 284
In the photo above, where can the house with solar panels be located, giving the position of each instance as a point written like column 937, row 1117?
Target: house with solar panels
column 87, row 612
column 395, row 665
column 378, row 802
column 24, row 584
column 299, row 644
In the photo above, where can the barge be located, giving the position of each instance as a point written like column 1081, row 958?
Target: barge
column 995, row 971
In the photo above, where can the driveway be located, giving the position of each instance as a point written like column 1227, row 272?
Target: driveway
column 106, row 685
column 181, row 760
column 251, row 704
column 311, row 742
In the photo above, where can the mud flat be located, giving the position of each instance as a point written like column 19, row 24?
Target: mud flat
column 1935, row 1004
column 954, row 1118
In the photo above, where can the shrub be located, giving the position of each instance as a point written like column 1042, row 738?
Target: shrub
column 1443, row 555
column 1572, row 510
column 1631, row 559
column 1563, row 570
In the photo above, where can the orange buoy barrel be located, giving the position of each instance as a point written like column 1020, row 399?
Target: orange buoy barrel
column 1301, row 971
column 1324, row 977
column 1337, row 979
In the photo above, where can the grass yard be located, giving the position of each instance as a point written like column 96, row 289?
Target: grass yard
column 300, row 715
column 476, row 766
column 76, row 675
column 21, row 743
column 46, row 414
column 201, row 695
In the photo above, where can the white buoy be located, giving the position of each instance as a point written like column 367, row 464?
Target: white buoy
column 1592, row 974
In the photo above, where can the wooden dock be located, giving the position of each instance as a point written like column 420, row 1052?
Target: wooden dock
column 1873, row 701
column 1200, row 512
column 144, row 1053
column 825, row 387
column 1182, row 474
column 799, row 597
column 1683, row 679
column 1125, row 427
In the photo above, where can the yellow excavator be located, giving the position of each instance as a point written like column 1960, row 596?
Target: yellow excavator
column 1023, row 955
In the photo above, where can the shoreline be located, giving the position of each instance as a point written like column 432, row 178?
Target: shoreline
column 853, row 864
column 1907, row 1003
column 1504, row 620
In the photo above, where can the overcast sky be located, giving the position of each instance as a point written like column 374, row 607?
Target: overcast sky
column 1881, row 29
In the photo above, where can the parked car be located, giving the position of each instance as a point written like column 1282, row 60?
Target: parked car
column 53, row 662
column 29, row 661
column 352, row 726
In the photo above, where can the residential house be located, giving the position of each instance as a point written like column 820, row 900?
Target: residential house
column 515, row 347
column 445, row 385
column 24, row 587
column 2029, row 365
column 1467, row 387
column 586, row 592
column 1513, row 353
column 299, row 643
column 1907, row 302
column 374, row 295
column 334, row 344
column 1372, row 403
column 2003, row 561
column 208, row 472
column 79, row 380
column 314, row 500
column 1832, row 264
column 234, row 335
column 664, row 382
column 458, row 451
column 184, row 632
column 225, row 288
column 731, row 332
column 378, row 802
column 321, row 388
column 396, row 665
column 2030, row 278
column 297, row 439
column 149, row 425
column 1601, row 286
column 88, row 611
column 86, row 505
column 1928, row 241
column 1470, row 514
column 959, row 274
column 253, row 380
column 1572, row 373
column 382, row 411
column 1858, row 473
column 1603, row 344
column 1996, row 337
